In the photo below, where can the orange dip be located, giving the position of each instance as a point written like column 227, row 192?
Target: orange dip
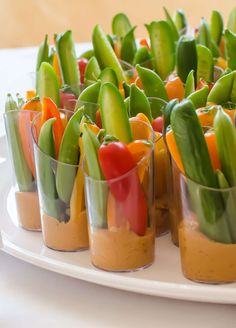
column 119, row 249
column 27, row 204
column 70, row 236
column 205, row 260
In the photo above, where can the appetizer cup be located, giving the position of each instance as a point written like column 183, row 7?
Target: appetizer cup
column 61, row 197
column 120, row 215
column 18, row 130
column 207, row 246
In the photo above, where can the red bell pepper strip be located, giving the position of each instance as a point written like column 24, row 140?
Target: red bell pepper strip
column 116, row 160
column 50, row 110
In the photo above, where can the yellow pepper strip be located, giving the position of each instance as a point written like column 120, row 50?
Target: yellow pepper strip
column 30, row 94
column 56, row 66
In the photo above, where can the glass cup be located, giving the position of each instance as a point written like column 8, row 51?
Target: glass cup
column 90, row 108
column 61, row 198
column 207, row 232
column 120, row 214
column 18, row 130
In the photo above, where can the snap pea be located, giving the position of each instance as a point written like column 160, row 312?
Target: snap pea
column 43, row 53
column 221, row 91
column 180, row 21
column 208, row 205
column 231, row 25
column 120, row 25
column 23, row 174
column 139, row 103
column 189, row 84
column 68, row 61
column 46, row 178
column 163, row 47
column 204, row 36
column 105, row 54
column 199, row 97
column 230, row 45
column 152, row 83
column 87, row 54
column 128, row 46
column 205, row 64
column 186, row 54
column 216, row 26
column 173, row 27
column 126, row 89
column 114, row 115
column 68, row 154
column 47, row 83
column 108, row 75
column 92, row 71
column 143, row 57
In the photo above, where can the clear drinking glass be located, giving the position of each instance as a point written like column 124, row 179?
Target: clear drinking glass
column 120, row 214
column 207, row 232
column 18, row 130
column 61, row 198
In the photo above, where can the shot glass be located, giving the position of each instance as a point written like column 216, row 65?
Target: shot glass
column 18, row 130
column 207, row 233
column 120, row 214
column 61, row 198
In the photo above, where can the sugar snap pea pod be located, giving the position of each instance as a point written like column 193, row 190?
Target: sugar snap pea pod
column 208, row 205
column 92, row 71
column 68, row 61
column 128, row 47
column 230, row 40
column 127, row 105
column 216, row 26
column 231, row 25
column 139, row 103
column 180, row 21
column 23, row 174
column 98, row 192
column 205, row 64
column 47, row 83
column 186, row 54
column 173, row 27
column 152, row 83
column 204, row 35
column 126, row 89
column 87, row 54
column 167, row 114
column 45, row 174
column 221, row 91
column 108, row 75
column 163, row 47
column 114, row 115
column 226, row 145
column 226, row 148
column 199, row 97
column 233, row 90
column 120, row 25
column 189, row 84
column 43, row 53
column 68, row 154
column 143, row 57
column 105, row 54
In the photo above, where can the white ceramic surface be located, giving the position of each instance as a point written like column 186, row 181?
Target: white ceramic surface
column 163, row 278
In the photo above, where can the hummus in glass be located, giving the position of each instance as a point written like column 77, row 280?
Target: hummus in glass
column 120, row 249
column 27, row 204
column 205, row 260
column 69, row 236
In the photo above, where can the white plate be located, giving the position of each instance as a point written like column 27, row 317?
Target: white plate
column 163, row 278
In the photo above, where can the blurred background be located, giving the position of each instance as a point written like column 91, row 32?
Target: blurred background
column 25, row 22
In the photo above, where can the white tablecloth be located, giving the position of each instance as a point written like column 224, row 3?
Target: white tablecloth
column 34, row 297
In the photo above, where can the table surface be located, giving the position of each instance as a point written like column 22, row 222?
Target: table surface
column 34, row 297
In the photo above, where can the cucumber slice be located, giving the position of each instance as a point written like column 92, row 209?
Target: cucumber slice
column 163, row 47
column 231, row 25
column 174, row 30
column 114, row 115
column 205, row 64
column 105, row 54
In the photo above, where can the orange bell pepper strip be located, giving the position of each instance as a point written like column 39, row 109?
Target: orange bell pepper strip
column 30, row 94
column 142, row 117
column 211, row 145
column 49, row 110
column 175, row 89
column 173, row 149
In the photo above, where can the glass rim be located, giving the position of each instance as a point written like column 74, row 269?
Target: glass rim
column 35, row 143
column 149, row 153
column 20, row 111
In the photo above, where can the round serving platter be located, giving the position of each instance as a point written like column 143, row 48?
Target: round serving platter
column 164, row 278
